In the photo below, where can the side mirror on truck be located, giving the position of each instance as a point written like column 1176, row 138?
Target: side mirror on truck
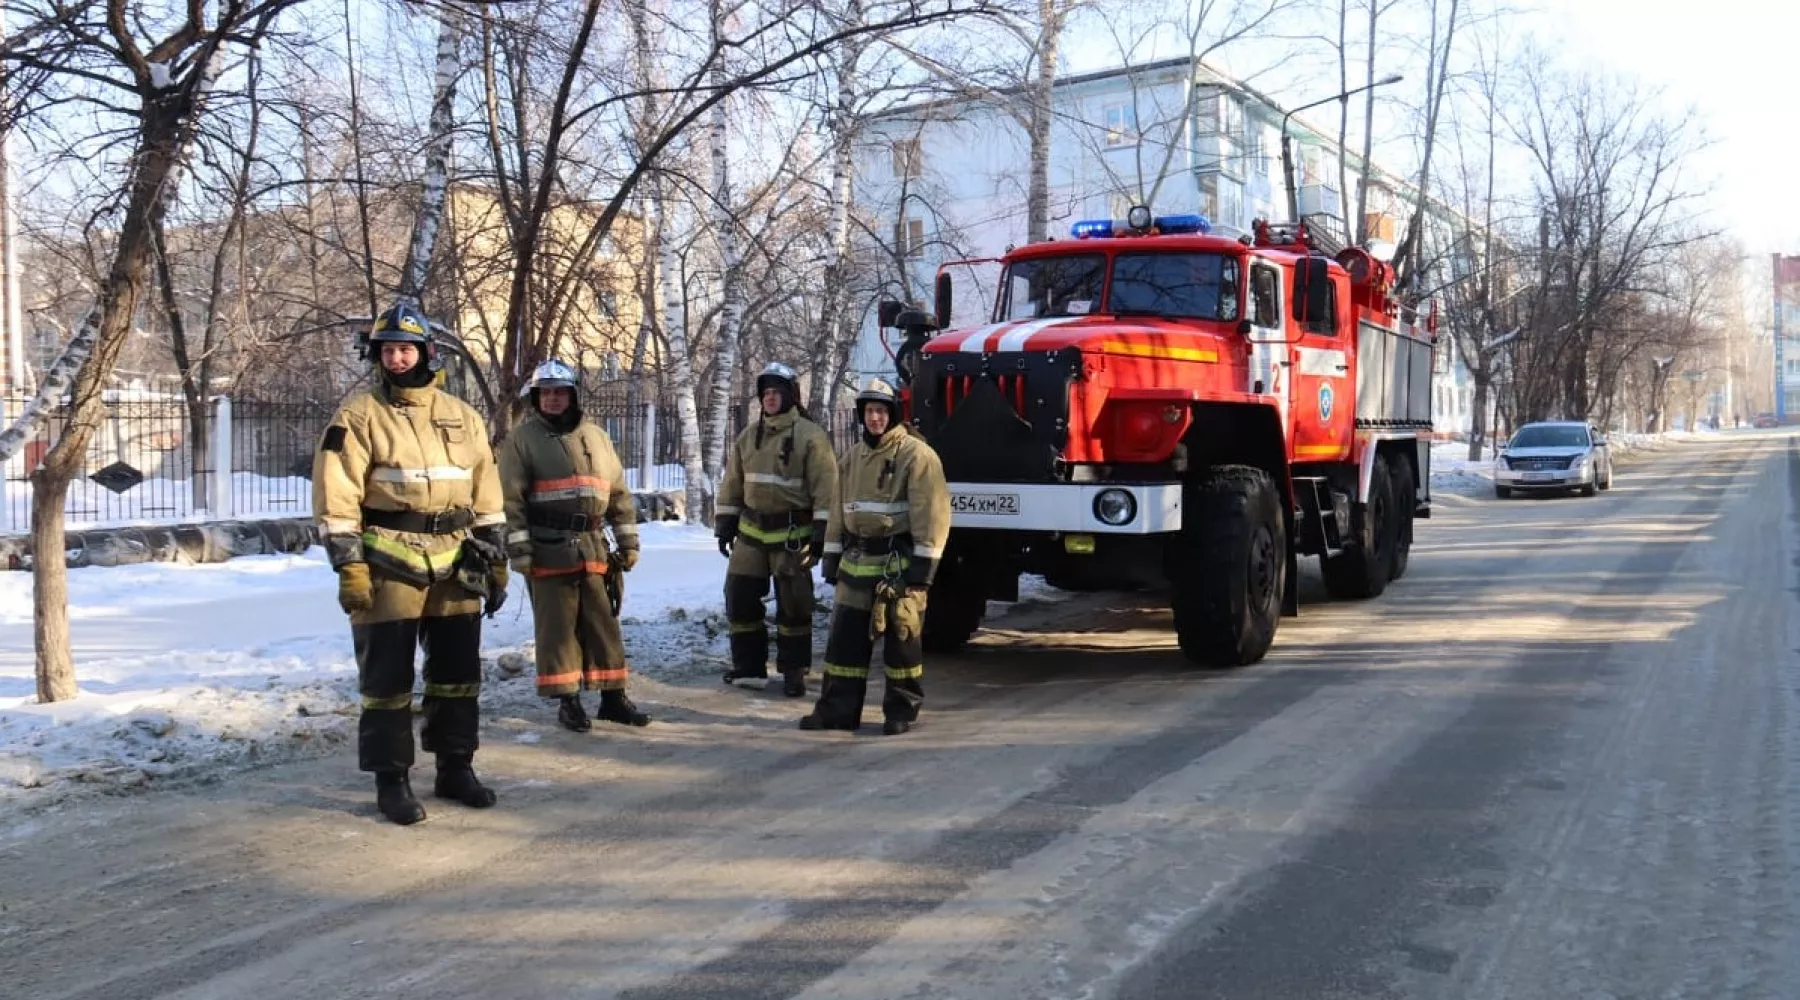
column 943, row 301
column 1312, row 291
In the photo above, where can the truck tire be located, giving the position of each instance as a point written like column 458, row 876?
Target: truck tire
column 953, row 610
column 1363, row 568
column 1404, row 501
column 1228, row 567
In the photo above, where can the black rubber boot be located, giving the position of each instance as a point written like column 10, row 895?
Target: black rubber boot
column 793, row 683
column 839, row 705
column 615, row 707
column 572, row 716
column 900, row 704
column 749, row 656
column 394, row 797
column 456, row 780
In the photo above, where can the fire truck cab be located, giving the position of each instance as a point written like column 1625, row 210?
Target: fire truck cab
column 1154, row 404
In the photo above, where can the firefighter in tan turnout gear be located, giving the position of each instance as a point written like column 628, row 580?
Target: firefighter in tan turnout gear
column 882, row 546
column 564, row 487
column 770, row 521
column 405, row 487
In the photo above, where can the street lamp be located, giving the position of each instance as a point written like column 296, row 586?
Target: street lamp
column 1287, row 149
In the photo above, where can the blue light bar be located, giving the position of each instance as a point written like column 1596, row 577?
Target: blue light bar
column 1192, row 223
column 1092, row 227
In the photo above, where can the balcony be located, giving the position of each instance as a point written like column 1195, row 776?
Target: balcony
column 1319, row 199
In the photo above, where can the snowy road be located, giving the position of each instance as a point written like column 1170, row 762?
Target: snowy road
column 1560, row 759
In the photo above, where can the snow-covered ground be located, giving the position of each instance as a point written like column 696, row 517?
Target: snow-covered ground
column 184, row 669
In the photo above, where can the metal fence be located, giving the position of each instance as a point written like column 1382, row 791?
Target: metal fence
column 149, row 464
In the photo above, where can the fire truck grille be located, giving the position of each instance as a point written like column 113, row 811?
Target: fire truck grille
column 1000, row 418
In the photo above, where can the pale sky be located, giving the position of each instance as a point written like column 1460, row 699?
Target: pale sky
column 1737, row 63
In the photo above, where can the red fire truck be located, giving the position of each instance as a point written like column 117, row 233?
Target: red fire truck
column 1157, row 405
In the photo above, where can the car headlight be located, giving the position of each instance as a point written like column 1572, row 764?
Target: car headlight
column 1115, row 507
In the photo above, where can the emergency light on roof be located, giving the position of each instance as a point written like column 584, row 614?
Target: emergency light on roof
column 1166, row 225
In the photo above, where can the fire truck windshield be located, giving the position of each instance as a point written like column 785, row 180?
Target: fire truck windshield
column 1188, row 285
column 1052, row 286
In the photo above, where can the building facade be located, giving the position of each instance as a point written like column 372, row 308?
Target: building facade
column 947, row 180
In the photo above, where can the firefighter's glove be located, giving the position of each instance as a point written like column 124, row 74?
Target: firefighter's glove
column 725, row 526
column 815, row 546
column 355, row 591
column 889, row 589
column 908, row 617
column 828, row 569
column 878, row 615
column 628, row 559
column 496, row 595
column 920, row 571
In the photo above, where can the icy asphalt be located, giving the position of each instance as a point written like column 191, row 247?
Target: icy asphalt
column 1559, row 759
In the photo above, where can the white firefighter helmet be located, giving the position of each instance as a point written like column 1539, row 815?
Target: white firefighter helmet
column 878, row 390
column 552, row 374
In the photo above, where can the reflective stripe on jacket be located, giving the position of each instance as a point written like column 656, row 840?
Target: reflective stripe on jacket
column 888, row 496
column 397, row 449
column 779, row 465
column 562, row 488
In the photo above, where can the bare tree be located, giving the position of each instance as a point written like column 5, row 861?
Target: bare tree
column 157, row 78
column 1611, row 207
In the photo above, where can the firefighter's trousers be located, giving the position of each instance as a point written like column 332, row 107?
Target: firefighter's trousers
column 445, row 621
column 859, row 619
column 579, row 646
column 746, row 585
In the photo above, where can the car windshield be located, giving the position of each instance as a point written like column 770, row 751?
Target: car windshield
column 1052, row 286
column 1550, row 436
column 1188, row 285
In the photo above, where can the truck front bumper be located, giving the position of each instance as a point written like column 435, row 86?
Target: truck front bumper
column 1154, row 508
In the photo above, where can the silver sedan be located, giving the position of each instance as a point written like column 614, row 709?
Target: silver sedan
column 1554, row 455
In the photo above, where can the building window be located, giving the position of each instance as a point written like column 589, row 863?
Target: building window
column 909, row 238
column 1121, row 125
column 909, row 159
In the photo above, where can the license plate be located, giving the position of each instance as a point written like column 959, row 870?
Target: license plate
column 1540, row 475
column 984, row 503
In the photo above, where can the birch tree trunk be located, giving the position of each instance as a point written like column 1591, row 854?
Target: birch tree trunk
column 834, row 305
column 1353, row 229
column 731, row 311
column 1407, row 258
column 1042, row 92
column 437, row 155
column 674, row 296
column 1368, row 137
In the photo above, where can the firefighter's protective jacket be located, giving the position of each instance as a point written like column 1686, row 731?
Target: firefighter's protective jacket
column 892, row 516
column 779, row 478
column 563, row 488
column 410, row 451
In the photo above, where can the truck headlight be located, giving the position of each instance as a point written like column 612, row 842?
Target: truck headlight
column 1115, row 507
